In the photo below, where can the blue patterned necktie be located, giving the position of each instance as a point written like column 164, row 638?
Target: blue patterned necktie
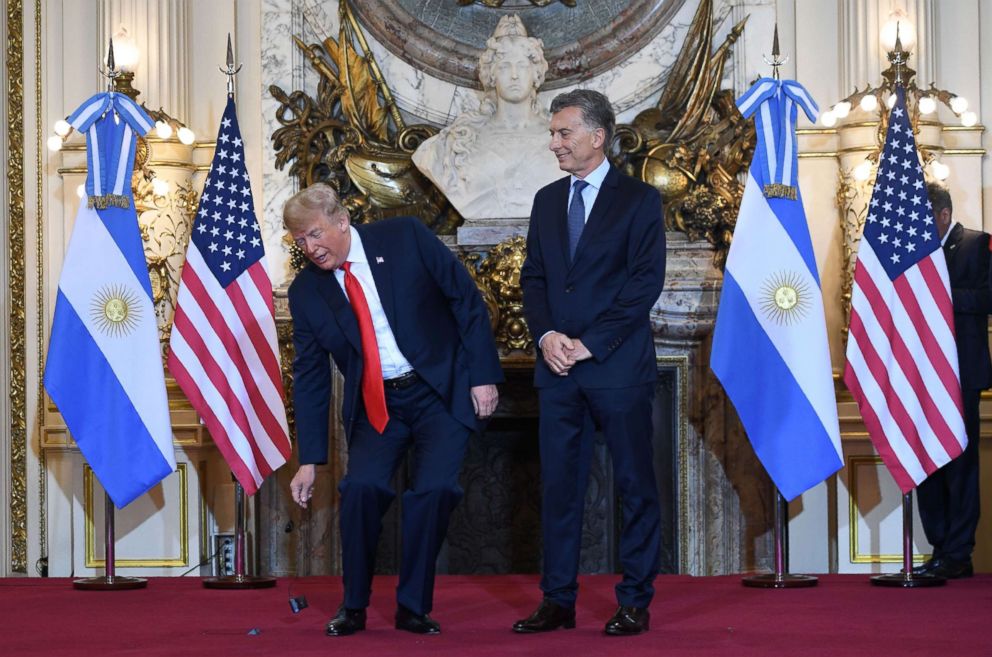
column 576, row 216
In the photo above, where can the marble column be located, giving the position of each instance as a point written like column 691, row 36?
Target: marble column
column 862, row 58
column 160, row 29
column 725, row 498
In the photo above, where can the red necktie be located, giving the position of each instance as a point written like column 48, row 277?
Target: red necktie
column 372, row 389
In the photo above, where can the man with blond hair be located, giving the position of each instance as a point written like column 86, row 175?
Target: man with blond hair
column 406, row 326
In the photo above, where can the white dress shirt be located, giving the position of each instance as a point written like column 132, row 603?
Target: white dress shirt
column 943, row 240
column 595, row 180
column 394, row 363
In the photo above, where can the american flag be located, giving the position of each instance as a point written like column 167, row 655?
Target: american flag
column 223, row 350
column 902, row 363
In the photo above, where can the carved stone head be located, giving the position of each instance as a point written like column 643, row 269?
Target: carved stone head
column 513, row 64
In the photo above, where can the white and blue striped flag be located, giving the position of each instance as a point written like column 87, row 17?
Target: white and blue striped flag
column 104, row 368
column 770, row 348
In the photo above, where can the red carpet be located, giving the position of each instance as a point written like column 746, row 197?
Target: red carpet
column 708, row 616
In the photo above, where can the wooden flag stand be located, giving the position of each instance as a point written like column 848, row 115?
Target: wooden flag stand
column 906, row 579
column 239, row 580
column 110, row 581
column 780, row 579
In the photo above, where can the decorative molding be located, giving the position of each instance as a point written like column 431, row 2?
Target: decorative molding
column 681, row 365
column 853, row 463
column 39, row 218
column 16, row 319
column 165, row 562
column 446, row 43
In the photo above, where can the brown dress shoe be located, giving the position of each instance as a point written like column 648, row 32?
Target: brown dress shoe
column 628, row 621
column 416, row 623
column 348, row 621
column 548, row 616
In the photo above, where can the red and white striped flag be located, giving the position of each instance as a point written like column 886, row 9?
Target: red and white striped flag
column 223, row 350
column 902, row 362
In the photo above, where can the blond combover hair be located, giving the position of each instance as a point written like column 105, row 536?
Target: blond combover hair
column 299, row 209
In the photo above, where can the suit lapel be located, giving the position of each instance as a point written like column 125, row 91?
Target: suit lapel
column 600, row 209
column 381, row 274
column 560, row 212
column 952, row 244
column 334, row 296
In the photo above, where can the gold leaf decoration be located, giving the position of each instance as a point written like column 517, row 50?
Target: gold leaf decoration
column 360, row 97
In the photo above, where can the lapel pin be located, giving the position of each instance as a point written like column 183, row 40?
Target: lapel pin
column 379, row 260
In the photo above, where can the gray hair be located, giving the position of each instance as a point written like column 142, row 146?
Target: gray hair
column 595, row 107
column 940, row 197
column 298, row 211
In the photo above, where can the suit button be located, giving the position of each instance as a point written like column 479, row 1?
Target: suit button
column 569, row 289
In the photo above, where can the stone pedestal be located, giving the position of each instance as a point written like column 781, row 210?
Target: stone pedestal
column 477, row 234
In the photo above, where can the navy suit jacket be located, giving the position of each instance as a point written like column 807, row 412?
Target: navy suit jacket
column 434, row 310
column 967, row 253
column 603, row 297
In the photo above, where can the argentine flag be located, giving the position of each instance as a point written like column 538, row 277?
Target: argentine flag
column 770, row 348
column 104, row 368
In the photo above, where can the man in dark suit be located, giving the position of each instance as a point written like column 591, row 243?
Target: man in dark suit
column 406, row 325
column 595, row 266
column 948, row 500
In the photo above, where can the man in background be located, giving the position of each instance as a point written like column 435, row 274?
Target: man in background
column 948, row 500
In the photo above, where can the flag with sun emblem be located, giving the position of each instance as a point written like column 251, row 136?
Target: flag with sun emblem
column 770, row 348
column 104, row 367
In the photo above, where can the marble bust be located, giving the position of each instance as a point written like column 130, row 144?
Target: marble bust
column 489, row 163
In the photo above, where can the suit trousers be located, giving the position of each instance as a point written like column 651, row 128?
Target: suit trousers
column 569, row 415
column 948, row 499
column 419, row 423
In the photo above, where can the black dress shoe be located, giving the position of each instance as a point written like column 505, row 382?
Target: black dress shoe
column 416, row 623
column 951, row 568
column 925, row 567
column 548, row 616
column 348, row 621
column 628, row 620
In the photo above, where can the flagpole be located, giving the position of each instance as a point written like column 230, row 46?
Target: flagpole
column 907, row 579
column 110, row 581
column 780, row 579
column 239, row 580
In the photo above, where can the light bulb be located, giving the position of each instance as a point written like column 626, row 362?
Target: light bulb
column 927, row 105
column 186, row 135
column 62, row 127
column 81, row 191
column 939, row 170
column 869, row 103
column 959, row 104
column 863, row 171
column 160, row 187
column 125, row 50
column 163, row 129
column 842, row 109
column 906, row 31
column 969, row 119
column 891, row 101
column 54, row 143
column 828, row 119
